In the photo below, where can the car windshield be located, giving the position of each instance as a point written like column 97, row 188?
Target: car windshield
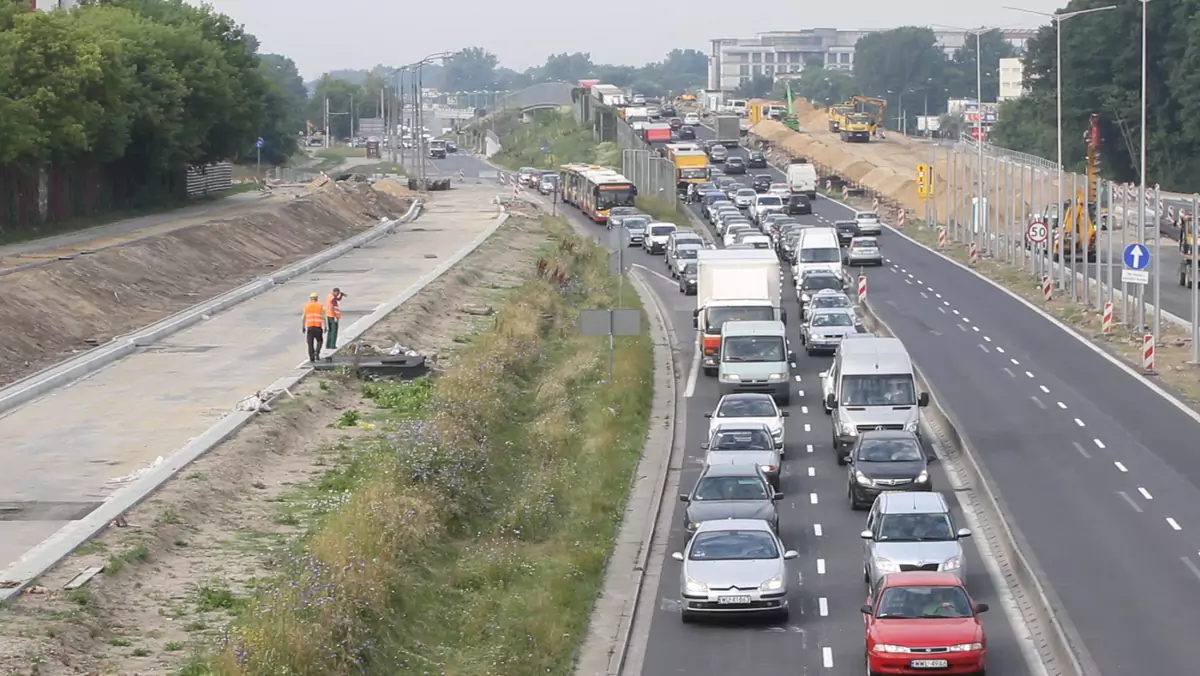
column 741, row 440
column 768, row 201
column 718, row 488
column 868, row 216
column 733, row 545
column 832, row 319
column 746, row 192
column 756, row 407
column 753, row 349
column 915, row 528
column 830, row 300
column 660, row 230
column 830, row 255
column 878, row 390
column 735, row 160
column 889, row 450
column 689, row 270
column 846, row 225
column 717, row 316
column 923, row 603
column 865, row 243
column 635, row 223
column 818, row 282
column 687, row 252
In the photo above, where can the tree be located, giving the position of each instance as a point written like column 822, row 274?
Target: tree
column 683, row 69
column 759, row 86
column 963, row 77
column 567, row 67
column 282, row 71
column 469, row 70
column 900, row 65
column 820, row 86
column 342, row 96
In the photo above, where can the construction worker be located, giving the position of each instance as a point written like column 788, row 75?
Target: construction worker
column 314, row 326
column 333, row 316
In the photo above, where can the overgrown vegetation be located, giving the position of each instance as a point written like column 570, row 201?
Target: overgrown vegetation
column 553, row 138
column 469, row 534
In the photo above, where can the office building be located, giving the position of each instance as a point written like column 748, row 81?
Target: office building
column 1012, row 73
column 50, row 5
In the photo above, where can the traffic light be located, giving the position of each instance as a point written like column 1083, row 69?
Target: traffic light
column 924, row 184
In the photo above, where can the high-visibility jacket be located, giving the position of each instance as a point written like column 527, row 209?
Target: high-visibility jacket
column 314, row 314
column 332, row 309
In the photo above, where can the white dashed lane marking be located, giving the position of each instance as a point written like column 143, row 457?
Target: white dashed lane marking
column 1145, row 493
column 823, row 606
column 1079, row 422
column 1173, row 524
column 827, row 657
column 1121, row 467
column 812, row 471
column 808, row 448
column 1099, row 444
column 817, row 529
column 1044, row 389
column 812, row 497
column 820, row 566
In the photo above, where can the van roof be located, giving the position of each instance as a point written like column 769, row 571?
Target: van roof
column 772, row 327
column 880, row 354
column 912, row 502
column 821, row 236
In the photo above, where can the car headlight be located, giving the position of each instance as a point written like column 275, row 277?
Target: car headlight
column 768, row 468
column 774, row 584
column 886, row 565
column 923, row 476
column 777, row 376
column 965, row 647
column 910, row 426
column 777, row 432
column 863, row 479
column 732, row 377
column 890, row 648
column 952, row 563
column 847, row 429
column 695, row 586
column 805, row 297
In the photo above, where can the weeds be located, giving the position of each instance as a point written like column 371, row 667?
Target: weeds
column 473, row 534
column 552, row 139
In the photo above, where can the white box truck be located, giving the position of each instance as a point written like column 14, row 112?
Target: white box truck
column 802, row 178
column 733, row 285
column 728, row 130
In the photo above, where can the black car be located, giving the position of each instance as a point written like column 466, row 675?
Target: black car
column 885, row 460
column 687, row 279
column 846, row 231
column 669, row 111
column 451, row 147
column 762, row 182
column 687, row 133
column 756, row 160
column 818, row 281
column 730, row 492
column 735, row 165
column 798, row 204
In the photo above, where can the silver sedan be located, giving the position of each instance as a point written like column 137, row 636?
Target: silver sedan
column 734, row 566
column 864, row 251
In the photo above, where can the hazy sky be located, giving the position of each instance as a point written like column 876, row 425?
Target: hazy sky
column 320, row 35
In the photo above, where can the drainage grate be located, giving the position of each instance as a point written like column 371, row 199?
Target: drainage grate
column 36, row 510
column 179, row 349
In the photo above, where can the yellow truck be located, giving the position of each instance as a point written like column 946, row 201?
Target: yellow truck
column 857, row 128
column 837, row 115
column 1189, row 256
column 691, row 165
column 758, row 110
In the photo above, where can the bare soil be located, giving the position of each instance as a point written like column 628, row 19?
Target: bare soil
column 65, row 307
column 184, row 560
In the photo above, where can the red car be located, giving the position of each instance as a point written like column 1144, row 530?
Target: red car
column 924, row 623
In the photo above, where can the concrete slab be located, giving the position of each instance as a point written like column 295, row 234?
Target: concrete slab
column 82, row 442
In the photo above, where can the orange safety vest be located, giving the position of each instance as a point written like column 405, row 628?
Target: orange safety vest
column 332, row 309
column 314, row 314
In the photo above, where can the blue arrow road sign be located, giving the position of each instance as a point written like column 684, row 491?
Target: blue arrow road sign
column 259, row 143
column 1137, row 256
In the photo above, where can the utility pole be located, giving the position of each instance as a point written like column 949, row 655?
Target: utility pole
column 325, row 124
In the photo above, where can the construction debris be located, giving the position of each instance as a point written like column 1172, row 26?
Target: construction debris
column 479, row 310
column 429, row 184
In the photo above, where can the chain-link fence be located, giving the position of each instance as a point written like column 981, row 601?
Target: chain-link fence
column 653, row 176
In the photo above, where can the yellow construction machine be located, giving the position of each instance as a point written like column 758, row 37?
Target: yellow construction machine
column 1189, row 255
column 837, row 115
column 857, row 128
column 876, row 108
column 1077, row 218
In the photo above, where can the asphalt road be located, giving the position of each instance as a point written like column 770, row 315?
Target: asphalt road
column 1099, row 474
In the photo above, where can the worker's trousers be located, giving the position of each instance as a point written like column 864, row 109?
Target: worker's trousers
column 331, row 331
column 314, row 335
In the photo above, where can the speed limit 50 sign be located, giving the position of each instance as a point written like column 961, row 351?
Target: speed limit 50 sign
column 1037, row 232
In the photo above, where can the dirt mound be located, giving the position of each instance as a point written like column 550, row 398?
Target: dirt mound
column 69, row 306
column 393, row 187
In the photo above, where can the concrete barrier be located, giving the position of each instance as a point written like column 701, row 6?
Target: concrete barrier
column 38, row 384
column 58, row 546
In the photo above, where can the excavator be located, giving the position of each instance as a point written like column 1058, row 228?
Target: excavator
column 790, row 120
column 865, row 104
column 1081, row 213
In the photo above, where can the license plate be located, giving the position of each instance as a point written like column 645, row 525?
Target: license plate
column 733, row 600
column 929, row 664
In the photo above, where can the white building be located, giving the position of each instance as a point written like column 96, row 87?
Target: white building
column 733, row 61
column 50, row 5
column 1012, row 72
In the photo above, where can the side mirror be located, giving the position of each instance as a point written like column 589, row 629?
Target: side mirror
column 790, row 554
column 981, row 607
column 831, row 401
column 823, row 374
column 696, row 313
column 707, row 415
column 785, row 414
column 923, row 399
column 964, row 532
column 695, row 322
column 683, row 497
column 777, row 496
column 791, row 356
column 866, row 535
column 865, row 610
column 704, row 446
column 678, row 556
column 783, row 316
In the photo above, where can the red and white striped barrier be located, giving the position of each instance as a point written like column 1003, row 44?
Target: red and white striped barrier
column 503, row 178
column 900, row 219
column 862, row 287
column 1047, row 289
column 875, row 204
column 845, row 191
column 1148, row 353
column 1171, row 213
column 974, row 254
column 941, row 238
column 1107, row 321
column 828, row 185
column 462, row 175
column 516, row 190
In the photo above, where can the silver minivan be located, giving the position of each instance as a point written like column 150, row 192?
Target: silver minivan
column 873, row 388
column 909, row 531
column 756, row 357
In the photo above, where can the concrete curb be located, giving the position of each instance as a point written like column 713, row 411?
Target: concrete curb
column 49, row 552
column 38, row 384
column 1058, row 647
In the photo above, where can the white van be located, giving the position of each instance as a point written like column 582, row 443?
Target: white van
column 802, row 179
column 817, row 249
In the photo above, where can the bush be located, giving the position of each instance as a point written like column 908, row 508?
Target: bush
column 662, row 209
column 567, row 140
column 474, row 540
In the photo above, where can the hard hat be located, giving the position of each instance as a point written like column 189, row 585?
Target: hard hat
column 313, row 296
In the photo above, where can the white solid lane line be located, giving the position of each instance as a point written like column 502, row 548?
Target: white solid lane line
column 1082, row 451
column 1130, row 502
column 1173, row 524
column 693, row 372
column 1145, row 493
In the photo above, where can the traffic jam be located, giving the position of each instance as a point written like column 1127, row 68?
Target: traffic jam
column 779, row 279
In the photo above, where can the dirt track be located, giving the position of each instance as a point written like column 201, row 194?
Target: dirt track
column 70, row 306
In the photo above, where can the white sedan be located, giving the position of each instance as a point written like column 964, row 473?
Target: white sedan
column 750, row 407
column 691, row 119
column 732, row 231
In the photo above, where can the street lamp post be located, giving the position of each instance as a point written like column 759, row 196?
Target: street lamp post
column 419, row 112
column 1058, row 18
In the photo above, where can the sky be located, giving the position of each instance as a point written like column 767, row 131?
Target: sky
column 321, row 36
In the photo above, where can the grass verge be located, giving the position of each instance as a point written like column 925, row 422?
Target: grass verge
column 469, row 534
column 332, row 158
column 553, row 138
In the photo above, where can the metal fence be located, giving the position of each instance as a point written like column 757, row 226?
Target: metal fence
column 653, row 176
column 210, row 178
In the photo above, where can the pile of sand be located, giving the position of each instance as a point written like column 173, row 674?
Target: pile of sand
column 393, row 187
column 68, row 306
